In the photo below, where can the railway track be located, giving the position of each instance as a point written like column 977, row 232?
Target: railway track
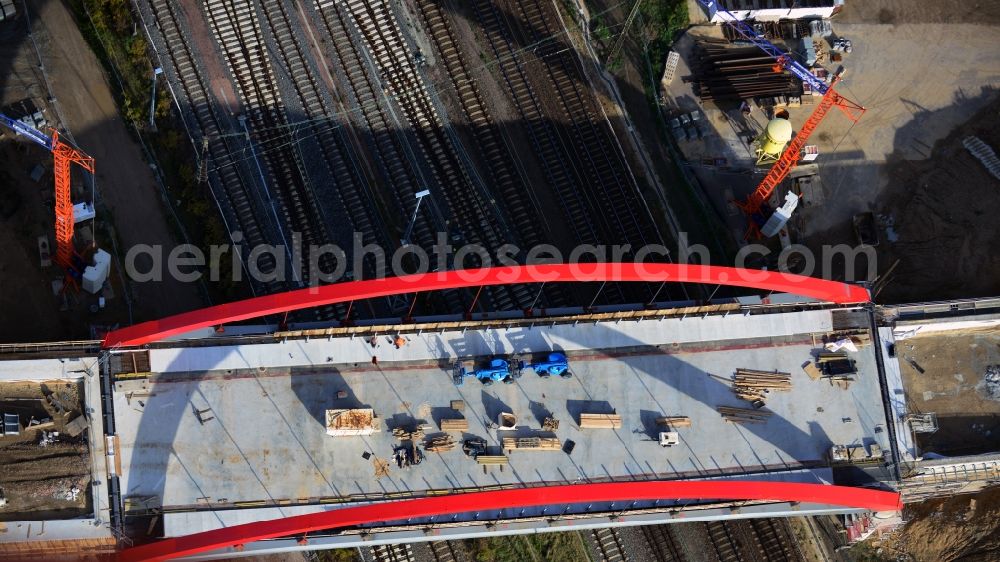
column 661, row 542
column 726, row 547
column 582, row 160
column 243, row 207
column 443, row 551
column 775, row 541
column 391, row 155
column 609, row 545
column 608, row 173
column 391, row 96
column 237, row 30
column 391, row 57
column 507, row 180
column 392, row 553
column 353, row 193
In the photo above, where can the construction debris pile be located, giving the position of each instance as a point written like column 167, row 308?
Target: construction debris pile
column 732, row 73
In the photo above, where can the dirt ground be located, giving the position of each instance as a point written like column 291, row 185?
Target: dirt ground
column 940, row 210
column 963, row 528
column 130, row 196
column 919, row 11
column 38, row 480
column 952, row 385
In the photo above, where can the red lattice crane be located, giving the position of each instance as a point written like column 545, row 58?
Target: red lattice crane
column 790, row 156
column 63, row 156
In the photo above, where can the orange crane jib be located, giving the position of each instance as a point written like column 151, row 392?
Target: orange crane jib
column 64, row 155
column 793, row 151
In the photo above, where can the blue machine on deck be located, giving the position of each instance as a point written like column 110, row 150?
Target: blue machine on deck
column 498, row 370
column 508, row 369
column 556, row 364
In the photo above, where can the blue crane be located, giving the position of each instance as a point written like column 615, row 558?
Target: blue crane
column 32, row 133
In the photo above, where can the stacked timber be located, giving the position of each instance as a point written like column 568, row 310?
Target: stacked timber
column 743, row 415
column 439, row 444
column 731, row 73
column 455, row 424
column 674, row 421
column 532, row 444
column 600, row 421
column 492, row 459
column 752, row 385
column 404, row 434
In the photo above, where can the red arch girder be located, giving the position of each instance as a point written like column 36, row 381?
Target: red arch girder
column 831, row 291
column 862, row 498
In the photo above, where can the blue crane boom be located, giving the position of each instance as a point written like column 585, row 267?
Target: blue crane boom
column 32, row 133
column 747, row 33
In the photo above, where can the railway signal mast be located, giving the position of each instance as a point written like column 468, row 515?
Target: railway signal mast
column 753, row 206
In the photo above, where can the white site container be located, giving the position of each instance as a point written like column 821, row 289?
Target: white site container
column 95, row 275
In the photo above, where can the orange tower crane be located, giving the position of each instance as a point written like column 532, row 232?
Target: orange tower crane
column 63, row 156
column 788, row 159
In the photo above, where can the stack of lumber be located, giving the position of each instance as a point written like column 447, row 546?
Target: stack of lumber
column 532, row 443
column 674, row 421
column 600, row 421
column 403, row 434
column 455, row 424
column 743, row 415
column 550, row 424
column 752, row 385
column 439, row 444
column 492, row 459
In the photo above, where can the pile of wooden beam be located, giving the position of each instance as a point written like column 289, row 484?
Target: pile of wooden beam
column 532, row 444
column 600, row 421
column 403, row 434
column 743, row 415
column 752, row 386
column 455, row 424
column 439, row 444
column 492, row 459
column 674, row 421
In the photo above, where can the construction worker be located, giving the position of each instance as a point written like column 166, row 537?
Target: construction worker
column 399, row 342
